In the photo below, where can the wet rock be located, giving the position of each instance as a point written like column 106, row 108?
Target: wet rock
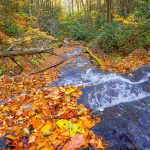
column 126, row 126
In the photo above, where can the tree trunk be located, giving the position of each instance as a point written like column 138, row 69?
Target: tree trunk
column 37, row 9
column 72, row 7
column 128, row 7
column 109, row 11
column 98, row 60
column 78, row 6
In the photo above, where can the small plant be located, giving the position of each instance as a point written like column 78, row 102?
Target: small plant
column 1, row 70
column 56, row 45
column 117, row 59
column 35, row 62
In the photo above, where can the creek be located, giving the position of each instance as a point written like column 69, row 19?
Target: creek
column 121, row 100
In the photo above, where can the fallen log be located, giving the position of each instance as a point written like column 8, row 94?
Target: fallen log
column 27, row 51
column 98, row 60
column 54, row 65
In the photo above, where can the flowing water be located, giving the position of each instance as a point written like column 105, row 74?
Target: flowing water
column 122, row 101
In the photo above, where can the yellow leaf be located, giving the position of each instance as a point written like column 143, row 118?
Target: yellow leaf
column 76, row 128
column 87, row 121
column 63, row 124
column 70, row 90
column 80, row 93
column 26, row 131
column 46, row 128
column 67, row 125
column 100, row 144
column 38, row 116
column 11, row 137
column 41, row 144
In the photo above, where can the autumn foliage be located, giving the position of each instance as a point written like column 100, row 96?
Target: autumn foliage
column 36, row 116
column 128, row 64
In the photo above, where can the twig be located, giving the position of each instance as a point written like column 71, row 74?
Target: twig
column 14, row 60
column 30, row 63
column 11, row 46
column 54, row 65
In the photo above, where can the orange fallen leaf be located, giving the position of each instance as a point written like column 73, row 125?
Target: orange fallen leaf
column 75, row 143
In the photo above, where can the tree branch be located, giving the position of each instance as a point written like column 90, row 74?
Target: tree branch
column 54, row 65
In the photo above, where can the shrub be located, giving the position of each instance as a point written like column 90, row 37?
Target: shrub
column 11, row 28
column 1, row 70
column 125, row 38
column 105, row 38
column 75, row 30
column 33, row 37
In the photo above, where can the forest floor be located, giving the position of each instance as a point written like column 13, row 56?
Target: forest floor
column 126, row 64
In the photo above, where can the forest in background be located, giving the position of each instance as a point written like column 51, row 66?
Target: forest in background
column 123, row 25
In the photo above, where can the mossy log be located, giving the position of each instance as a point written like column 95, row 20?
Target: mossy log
column 98, row 60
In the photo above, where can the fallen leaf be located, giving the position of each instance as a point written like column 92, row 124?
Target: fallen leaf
column 75, row 143
column 26, row 131
column 31, row 139
column 11, row 137
column 46, row 128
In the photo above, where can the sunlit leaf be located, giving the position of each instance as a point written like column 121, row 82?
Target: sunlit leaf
column 11, row 137
column 26, row 131
column 31, row 139
column 46, row 128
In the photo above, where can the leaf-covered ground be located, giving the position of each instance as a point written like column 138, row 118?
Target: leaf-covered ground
column 35, row 116
column 37, row 62
column 133, row 61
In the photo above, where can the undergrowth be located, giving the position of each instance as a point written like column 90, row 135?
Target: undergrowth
column 124, row 38
column 11, row 27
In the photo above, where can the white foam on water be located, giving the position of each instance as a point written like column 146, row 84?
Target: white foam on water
column 108, row 89
column 99, row 100
column 90, row 77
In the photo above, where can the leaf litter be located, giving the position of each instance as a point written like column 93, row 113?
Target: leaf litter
column 34, row 115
